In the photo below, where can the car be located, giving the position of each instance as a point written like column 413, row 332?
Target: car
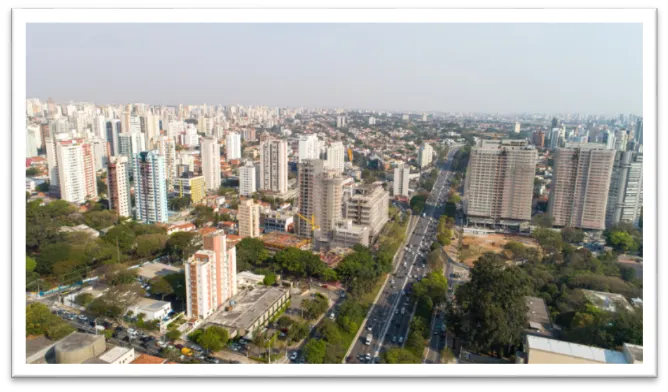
column 367, row 357
column 369, row 328
column 396, row 311
column 332, row 316
column 401, row 339
column 394, row 339
column 294, row 355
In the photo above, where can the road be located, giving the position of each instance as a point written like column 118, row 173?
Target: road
column 390, row 318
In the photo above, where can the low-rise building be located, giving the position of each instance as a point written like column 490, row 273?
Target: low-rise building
column 346, row 235
column 250, row 310
column 181, row 226
column 118, row 356
column 538, row 317
column 247, row 278
column 277, row 221
column 191, row 186
column 152, row 309
column 543, row 350
column 78, row 347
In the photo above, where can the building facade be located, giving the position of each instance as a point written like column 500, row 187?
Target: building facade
column 118, row 185
column 191, row 186
column 307, row 177
column 309, row 147
column 211, row 163
column 401, row 180
column 150, row 187
column 581, row 184
column 274, row 166
column 335, row 157
column 249, row 219
column 368, row 206
column 233, row 146
column 247, row 180
column 498, row 189
column 167, row 149
column 425, row 155
column 626, row 189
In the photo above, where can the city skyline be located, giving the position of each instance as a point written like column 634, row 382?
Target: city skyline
column 591, row 68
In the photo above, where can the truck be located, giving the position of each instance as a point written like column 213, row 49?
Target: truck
column 369, row 338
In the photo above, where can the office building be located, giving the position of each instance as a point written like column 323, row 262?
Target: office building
column 233, row 146
column 211, row 162
column 401, row 180
column 309, row 147
column 581, row 183
column 499, row 184
column 187, row 184
column 626, row 189
column 555, row 135
column 340, row 121
column 368, row 206
column 118, row 185
column 167, row 149
column 113, row 130
column 638, row 132
column 249, row 219
column 425, row 155
column 247, row 180
column 335, row 157
column 150, row 187
column 130, row 144
column 274, row 166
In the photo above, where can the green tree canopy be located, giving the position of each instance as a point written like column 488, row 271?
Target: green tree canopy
column 122, row 236
column 182, row 245
column 314, row 351
column 160, row 286
column 572, row 235
column 150, row 245
column 30, row 264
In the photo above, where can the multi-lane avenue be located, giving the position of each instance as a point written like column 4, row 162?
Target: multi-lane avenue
column 390, row 317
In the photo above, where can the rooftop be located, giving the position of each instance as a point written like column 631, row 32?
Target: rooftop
column 76, row 340
column 282, row 240
column 151, row 304
column 112, row 355
column 574, row 350
column 538, row 316
column 250, row 305
column 145, row 359
column 152, row 270
column 34, row 344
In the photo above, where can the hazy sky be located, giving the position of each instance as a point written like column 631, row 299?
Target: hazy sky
column 589, row 68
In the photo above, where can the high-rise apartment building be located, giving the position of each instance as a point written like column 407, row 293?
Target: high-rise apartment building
column 626, row 189
column 167, row 148
column 274, row 166
column 341, row 121
column 249, row 219
column 307, row 177
column 581, row 183
column 118, row 185
column 335, row 157
column 233, row 146
column 225, row 265
column 200, row 271
column 518, row 127
column 150, row 187
column 190, row 137
column 75, row 167
column 555, row 136
column 499, row 184
column 539, row 139
column 328, row 203
column 425, row 155
column 150, row 126
column 401, row 180
column 309, row 147
column 621, row 139
column 33, row 140
column 211, row 162
column 247, row 180
column 113, row 130
column 369, row 207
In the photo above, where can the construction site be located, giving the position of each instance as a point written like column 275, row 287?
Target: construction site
column 475, row 245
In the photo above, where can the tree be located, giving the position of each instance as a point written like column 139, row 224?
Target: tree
column 417, row 203
column 40, row 321
column 202, row 214
column 150, row 245
column 400, row 356
column 121, row 276
column 30, row 264
column 182, row 245
column 161, row 287
column 315, row 307
column 179, row 203
column 490, row 311
column 314, row 351
column 43, row 187
column 32, row 171
column 269, row 279
column 572, row 235
column 548, row 239
column 210, row 340
column 623, row 241
column 122, row 236
column 84, row 299
column 100, row 219
column 542, row 220
column 178, row 283
column 173, row 334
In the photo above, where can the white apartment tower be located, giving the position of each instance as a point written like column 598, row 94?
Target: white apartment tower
column 401, row 180
column 498, row 189
column 425, row 155
column 249, row 219
column 167, row 149
column 626, row 189
column 76, row 171
column 340, row 121
column 150, row 187
column 309, row 147
column 247, row 179
column 211, row 162
column 274, row 166
column 233, row 146
column 335, row 157
column 581, row 183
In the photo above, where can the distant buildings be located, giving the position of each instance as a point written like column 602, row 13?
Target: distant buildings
column 341, row 121
column 401, row 180
column 130, row 144
column 581, row 184
column 498, row 189
column 626, row 190
column 539, row 139
column 335, row 157
column 150, row 187
column 425, row 155
column 518, row 127
column 118, row 185
column 233, row 146
column 274, row 166
column 167, row 149
column 113, row 130
column 249, row 219
column 211, row 163
column 309, row 147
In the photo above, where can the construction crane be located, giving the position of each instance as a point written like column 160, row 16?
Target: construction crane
column 313, row 227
